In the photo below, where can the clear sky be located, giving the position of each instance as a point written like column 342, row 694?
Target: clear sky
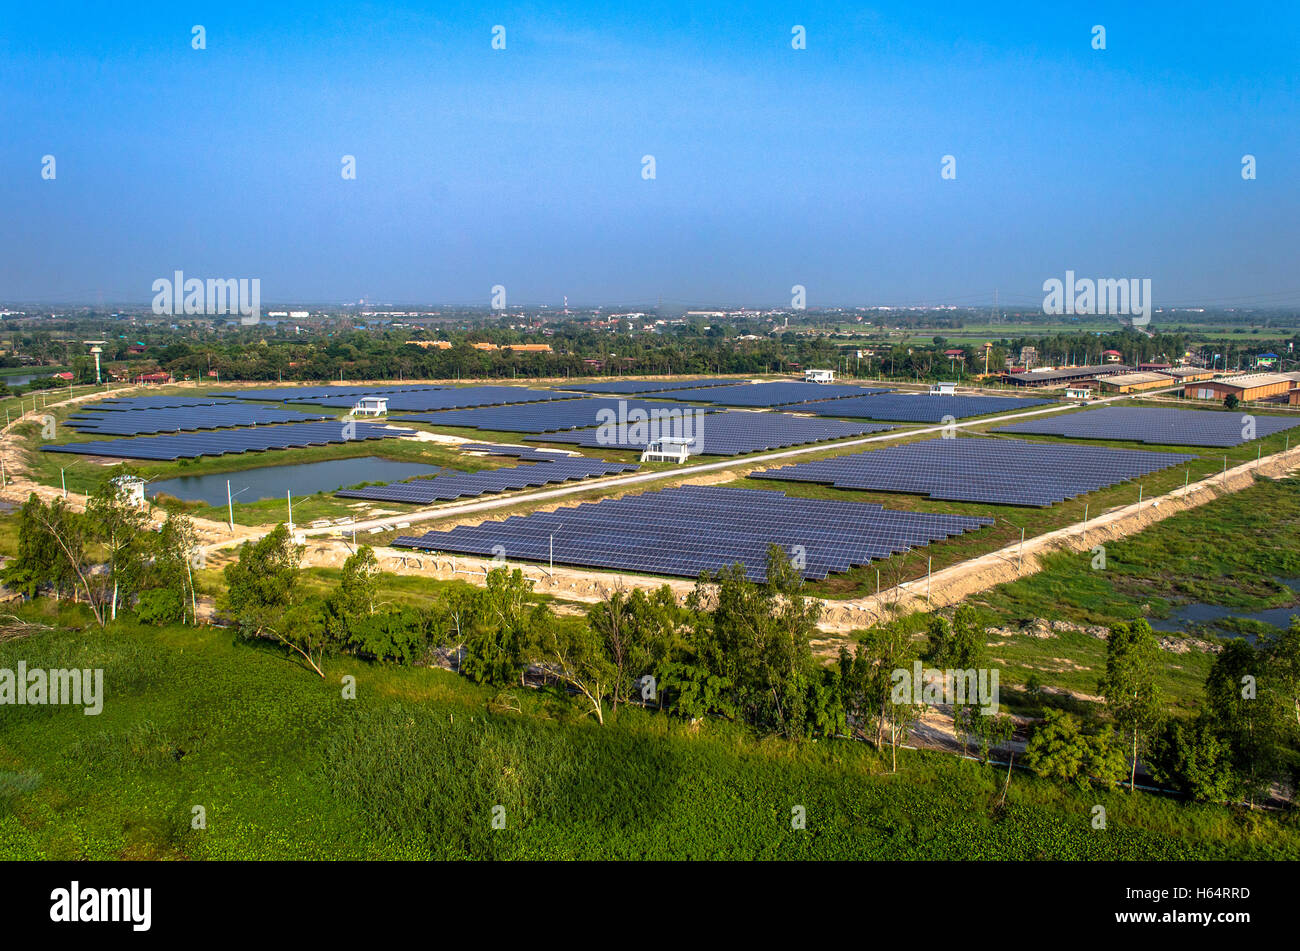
column 774, row 166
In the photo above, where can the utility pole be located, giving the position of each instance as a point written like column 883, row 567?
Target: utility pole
column 230, row 506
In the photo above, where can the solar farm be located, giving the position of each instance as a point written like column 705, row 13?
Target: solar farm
column 567, row 412
column 224, row 442
column 420, row 401
column 139, row 422
column 540, row 469
column 730, row 433
column 1158, row 426
column 692, row 529
column 917, row 407
column 767, row 395
column 630, row 387
column 994, row 471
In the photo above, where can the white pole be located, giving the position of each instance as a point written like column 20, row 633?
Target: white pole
column 1021, row 566
column 64, row 480
column 230, row 506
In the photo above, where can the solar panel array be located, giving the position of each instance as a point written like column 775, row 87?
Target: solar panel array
column 543, row 417
column 223, row 442
column 155, row 402
column 218, row 416
column 998, row 471
column 724, row 434
column 916, row 407
column 420, row 401
column 310, row 394
column 762, row 395
column 530, row 453
column 450, row 485
column 1158, row 426
column 647, row 386
column 687, row 530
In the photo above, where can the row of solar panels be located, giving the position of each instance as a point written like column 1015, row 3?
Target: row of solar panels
column 688, row 530
column 193, row 445
column 996, row 471
column 448, row 486
column 181, row 419
column 1158, row 426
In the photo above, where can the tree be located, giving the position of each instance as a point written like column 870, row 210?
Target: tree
column 575, row 653
column 1231, row 401
column 1194, row 759
column 757, row 639
column 358, row 584
column 1132, row 698
column 1061, row 751
column 1245, row 709
column 122, row 528
column 40, row 561
column 505, row 627
column 264, row 595
column 169, row 586
column 640, row 632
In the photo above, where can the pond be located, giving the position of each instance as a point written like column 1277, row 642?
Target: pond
column 1199, row 614
column 302, row 479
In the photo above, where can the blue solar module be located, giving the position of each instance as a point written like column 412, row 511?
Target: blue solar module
column 628, row 387
column 574, row 413
column 552, row 469
column 763, row 395
column 530, row 453
column 722, row 434
column 916, row 407
column 692, row 529
column 222, row 442
column 155, row 402
column 998, row 471
column 421, row 401
column 1157, row 426
column 310, row 394
column 218, row 416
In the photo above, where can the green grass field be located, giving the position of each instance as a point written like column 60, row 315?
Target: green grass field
column 285, row 768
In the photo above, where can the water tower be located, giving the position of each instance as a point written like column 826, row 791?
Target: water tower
column 97, row 350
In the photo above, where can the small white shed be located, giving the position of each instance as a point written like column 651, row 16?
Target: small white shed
column 131, row 488
column 371, row 406
column 819, row 376
column 943, row 389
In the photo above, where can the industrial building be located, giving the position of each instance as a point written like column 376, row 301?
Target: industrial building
column 1062, row 377
column 1248, row 388
column 1133, row 382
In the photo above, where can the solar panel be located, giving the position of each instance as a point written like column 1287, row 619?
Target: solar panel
column 916, row 407
column 1158, row 426
column 217, row 416
column 420, row 401
column 281, row 394
column 995, row 471
column 223, row 442
column 563, row 414
column 730, row 433
column 684, row 531
column 116, row 404
column 550, row 469
column 763, row 395
column 646, row 386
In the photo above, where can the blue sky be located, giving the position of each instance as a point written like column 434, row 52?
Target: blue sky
column 774, row 166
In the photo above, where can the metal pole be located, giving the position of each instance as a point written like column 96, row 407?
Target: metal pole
column 64, row 480
column 230, row 506
column 877, row 582
column 552, row 554
column 928, row 563
column 1139, row 493
column 1021, row 566
column 288, row 494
